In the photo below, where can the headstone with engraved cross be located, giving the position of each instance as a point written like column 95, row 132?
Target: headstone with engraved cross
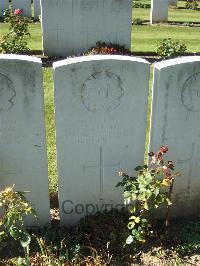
column 175, row 122
column 23, row 158
column 101, row 107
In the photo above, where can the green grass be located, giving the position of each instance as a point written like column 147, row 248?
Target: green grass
column 147, row 38
column 178, row 15
column 50, row 128
column 175, row 14
column 144, row 38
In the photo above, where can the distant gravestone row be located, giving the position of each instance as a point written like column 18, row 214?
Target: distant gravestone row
column 25, row 5
column 101, row 110
column 159, row 10
column 72, row 27
column 78, row 25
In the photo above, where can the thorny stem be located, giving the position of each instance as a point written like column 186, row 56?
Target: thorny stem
column 167, row 223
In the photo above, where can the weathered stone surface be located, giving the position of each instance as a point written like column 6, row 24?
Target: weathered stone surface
column 173, row 2
column 25, row 5
column 71, row 27
column 23, row 159
column 175, row 122
column 37, row 9
column 159, row 11
column 101, row 107
column 4, row 4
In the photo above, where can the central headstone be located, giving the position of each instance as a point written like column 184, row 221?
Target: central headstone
column 101, row 107
column 71, row 27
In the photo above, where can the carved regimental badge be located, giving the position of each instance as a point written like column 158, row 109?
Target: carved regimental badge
column 190, row 95
column 7, row 93
column 102, row 92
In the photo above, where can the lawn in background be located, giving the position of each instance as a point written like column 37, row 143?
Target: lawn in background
column 144, row 38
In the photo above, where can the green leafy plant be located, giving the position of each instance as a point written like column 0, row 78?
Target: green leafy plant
column 169, row 48
column 137, row 4
column 14, row 206
column 145, row 192
column 14, row 41
column 191, row 4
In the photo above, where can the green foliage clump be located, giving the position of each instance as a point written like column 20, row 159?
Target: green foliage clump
column 145, row 192
column 191, row 4
column 169, row 48
column 14, row 207
column 137, row 4
column 14, row 41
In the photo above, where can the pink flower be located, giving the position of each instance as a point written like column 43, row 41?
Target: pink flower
column 18, row 12
column 163, row 149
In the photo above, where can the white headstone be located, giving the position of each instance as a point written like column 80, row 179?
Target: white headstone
column 4, row 4
column 173, row 2
column 37, row 9
column 159, row 11
column 71, row 27
column 176, row 123
column 25, row 5
column 23, row 159
column 101, row 108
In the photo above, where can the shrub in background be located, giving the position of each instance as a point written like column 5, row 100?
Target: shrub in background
column 102, row 48
column 169, row 48
column 14, row 41
column 191, row 4
column 137, row 21
column 137, row 4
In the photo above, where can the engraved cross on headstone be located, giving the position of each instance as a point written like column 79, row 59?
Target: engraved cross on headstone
column 101, row 166
column 6, row 174
column 59, row 32
column 191, row 162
